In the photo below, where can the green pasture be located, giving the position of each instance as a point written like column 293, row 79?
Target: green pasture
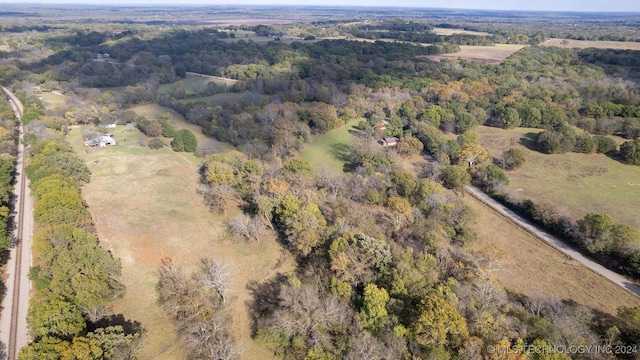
column 575, row 184
column 326, row 150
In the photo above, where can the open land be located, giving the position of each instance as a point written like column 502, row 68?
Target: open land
column 575, row 184
column 585, row 44
column 323, row 150
column 533, row 266
column 447, row 31
column 482, row 54
column 145, row 206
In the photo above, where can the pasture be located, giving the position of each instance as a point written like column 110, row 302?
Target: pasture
column 324, row 150
column 194, row 84
column 585, row 44
column 555, row 276
column 447, row 31
column 51, row 99
column 575, row 184
column 483, row 54
column 146, row 207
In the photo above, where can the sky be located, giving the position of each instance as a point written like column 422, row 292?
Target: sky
column 541, row 5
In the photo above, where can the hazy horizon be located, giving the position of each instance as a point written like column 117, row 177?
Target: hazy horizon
column 541, row 5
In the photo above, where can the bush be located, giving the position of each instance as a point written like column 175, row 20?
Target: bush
column 156, row 143
column 511, row 159
column 184, row 140
column 605, row 145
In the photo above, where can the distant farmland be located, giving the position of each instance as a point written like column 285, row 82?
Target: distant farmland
column 482, row 54
column 447, row 31
column 585, row 44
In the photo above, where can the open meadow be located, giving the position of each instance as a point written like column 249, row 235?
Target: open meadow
column 51, row 99
column 555, row 275
column 324, row 150
column 448, row 31
column 194, row 84
column 146, row 207
column 483, row 54
column 575, row 184
column 585, row 44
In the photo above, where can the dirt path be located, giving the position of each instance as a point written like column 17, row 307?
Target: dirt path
column 13, row 319
column 616, row 278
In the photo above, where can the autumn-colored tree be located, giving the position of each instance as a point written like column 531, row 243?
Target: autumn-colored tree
column 439, row 323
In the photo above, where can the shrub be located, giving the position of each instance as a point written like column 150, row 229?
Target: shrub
column 156, row 143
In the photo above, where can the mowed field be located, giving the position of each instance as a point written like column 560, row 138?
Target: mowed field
column 195, row 83
column 575, row 184
column 50, row 99
column 531, row 266
column 324, row 150
column 584, row 44
column 145, row 206
column 447, row 31
column 482, row 54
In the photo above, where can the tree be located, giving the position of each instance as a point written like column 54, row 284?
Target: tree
column 184, row 140
column 605, row 145
column 374, row 308
column 511, row 159
column 409, row 145
column 439, row 323
column 455, row 177
column 55, row 317
column 245, row 227
column 630, row 152
column 215, row 275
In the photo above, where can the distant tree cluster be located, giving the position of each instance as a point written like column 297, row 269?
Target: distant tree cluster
column 8, row 150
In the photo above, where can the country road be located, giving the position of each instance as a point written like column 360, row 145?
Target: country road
column 13, row 323
column 557, row 243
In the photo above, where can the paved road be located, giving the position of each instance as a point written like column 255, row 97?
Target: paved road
column 618, row 279
column 9, row 324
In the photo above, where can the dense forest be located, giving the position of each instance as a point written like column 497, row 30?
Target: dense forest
column 384, row 267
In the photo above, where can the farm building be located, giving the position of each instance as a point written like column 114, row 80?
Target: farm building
column 388, row 141
column 101, row 141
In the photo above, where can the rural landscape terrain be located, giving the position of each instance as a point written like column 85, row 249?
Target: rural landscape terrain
column 309, row 182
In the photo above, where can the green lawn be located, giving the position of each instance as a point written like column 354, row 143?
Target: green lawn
column 575, row 184
column 324, row 150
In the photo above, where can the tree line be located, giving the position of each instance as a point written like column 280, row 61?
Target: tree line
column 75, row 278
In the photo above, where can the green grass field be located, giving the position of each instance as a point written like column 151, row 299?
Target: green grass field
column 575, row 184
column 146, row 207
column 323, row 149
column 50, row 100
column 193, row 85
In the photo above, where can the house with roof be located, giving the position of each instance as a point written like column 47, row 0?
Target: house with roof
column 388, row 141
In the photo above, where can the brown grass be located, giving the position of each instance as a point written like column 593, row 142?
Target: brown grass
column 482, row 54
column 531, row 265
column 584, row 44
column 447, row 31
column 145, row 206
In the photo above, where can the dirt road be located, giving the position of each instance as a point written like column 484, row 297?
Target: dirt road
column 616, row 278
column 13, row 323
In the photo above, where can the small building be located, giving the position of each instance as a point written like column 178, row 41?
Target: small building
column 101, row 141
column 110, row 126
column 388, row 141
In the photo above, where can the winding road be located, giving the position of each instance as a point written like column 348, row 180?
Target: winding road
column 556, row 242
column 13, row 318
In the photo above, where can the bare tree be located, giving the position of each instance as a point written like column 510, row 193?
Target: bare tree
column 211, row 340
column 246, row 227
column 217, row 197
column 215, row 275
